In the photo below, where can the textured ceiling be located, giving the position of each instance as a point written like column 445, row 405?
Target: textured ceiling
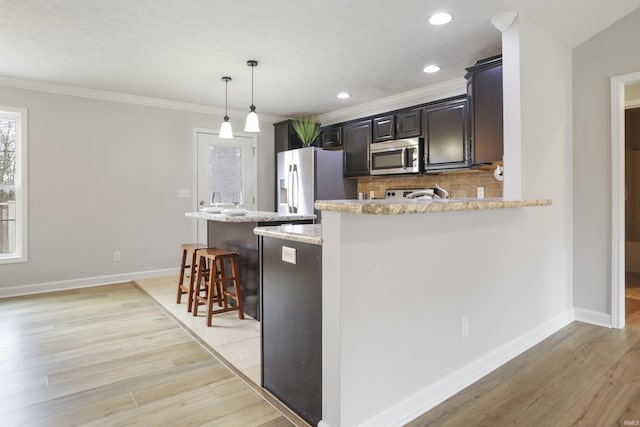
column 308, row 51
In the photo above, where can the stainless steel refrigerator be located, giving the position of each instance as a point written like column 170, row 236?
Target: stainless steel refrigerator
column 309, row 174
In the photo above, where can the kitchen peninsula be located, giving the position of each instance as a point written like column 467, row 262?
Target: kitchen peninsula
column 412, row 269
column 397, row 279
column 235, row 233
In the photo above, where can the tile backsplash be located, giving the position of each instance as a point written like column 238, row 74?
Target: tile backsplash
column 460, row 184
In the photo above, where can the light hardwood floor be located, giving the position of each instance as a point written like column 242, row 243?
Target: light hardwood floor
column 110, row 356
column 582, row 375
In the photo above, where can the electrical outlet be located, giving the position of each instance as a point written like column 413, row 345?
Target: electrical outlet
column 464, row 326
column 116, row 256
column 289, row 254
column 184, row 193
column 480, row 192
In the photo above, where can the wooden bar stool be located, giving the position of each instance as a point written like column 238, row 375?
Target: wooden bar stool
column 188, row 248
column 216, row 285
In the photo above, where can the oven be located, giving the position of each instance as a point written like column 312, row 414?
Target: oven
column 397, row 157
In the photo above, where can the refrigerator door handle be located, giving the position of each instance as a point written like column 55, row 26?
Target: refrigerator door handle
column 289, row 173
column 296, row 188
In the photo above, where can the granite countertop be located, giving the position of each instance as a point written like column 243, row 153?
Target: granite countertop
column 413, row 206
column 251, row 216
column 303, row 233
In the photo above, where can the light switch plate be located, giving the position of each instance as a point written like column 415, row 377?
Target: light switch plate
column 480, row 192
column 289, row 254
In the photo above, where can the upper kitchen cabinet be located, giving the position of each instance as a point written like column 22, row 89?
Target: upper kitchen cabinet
column 331, row 136
column 286, row 137
column 446, row 142
column 484, row 90
column 356, row 138
column 402, row 124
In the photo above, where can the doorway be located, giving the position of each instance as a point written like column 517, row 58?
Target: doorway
column 225, row 166
column 632, row 204
column 622, row 89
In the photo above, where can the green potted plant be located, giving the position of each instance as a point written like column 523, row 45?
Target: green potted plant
column 307, row 129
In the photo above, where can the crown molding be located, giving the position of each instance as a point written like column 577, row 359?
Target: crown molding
column 125, row 98
column 430, row 93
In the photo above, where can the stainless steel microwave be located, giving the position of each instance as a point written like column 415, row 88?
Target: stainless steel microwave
column 397, row 157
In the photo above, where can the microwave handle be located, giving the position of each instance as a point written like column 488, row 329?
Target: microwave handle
column 404, row 157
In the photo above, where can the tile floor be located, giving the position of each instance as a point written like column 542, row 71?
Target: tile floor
column 238, row 341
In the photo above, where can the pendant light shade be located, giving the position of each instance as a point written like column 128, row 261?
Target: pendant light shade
column 252, row 124
column 225, row 129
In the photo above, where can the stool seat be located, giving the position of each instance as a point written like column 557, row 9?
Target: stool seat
column 216, row 283
column 188, row 248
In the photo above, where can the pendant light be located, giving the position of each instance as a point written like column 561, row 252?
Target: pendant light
column 225, row 130
column 252, row 124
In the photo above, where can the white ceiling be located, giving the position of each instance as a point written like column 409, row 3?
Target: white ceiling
column 307, row 50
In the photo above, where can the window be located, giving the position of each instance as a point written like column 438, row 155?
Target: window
column 13, row 185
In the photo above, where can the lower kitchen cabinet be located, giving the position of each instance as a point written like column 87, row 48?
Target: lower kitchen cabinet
column 356, row 139
column 292, row 325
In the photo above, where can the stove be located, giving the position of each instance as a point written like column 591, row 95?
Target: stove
column 404, row 192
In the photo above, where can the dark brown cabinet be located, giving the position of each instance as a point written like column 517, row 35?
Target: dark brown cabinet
column 409, row 123
column 484, row 91
column 446, row 142
column 356, row 139
column 384, row 128
column 402, row 124
column 286, row 137
column 332, row 136
column 291, row 326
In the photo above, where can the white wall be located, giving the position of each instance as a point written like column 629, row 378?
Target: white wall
column 610, row 53
column 395, row 295
column 104, row 176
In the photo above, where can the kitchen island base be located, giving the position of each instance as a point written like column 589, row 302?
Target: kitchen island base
column 235, row 233
column 238, row 237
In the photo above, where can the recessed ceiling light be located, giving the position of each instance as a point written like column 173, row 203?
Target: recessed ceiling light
column 344, row 95
column 431, row 69
column 440, row 18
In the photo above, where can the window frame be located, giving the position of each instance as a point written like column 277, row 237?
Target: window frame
column 20, row 183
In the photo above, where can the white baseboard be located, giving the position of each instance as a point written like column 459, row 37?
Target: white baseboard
column 592, row 317
column 440, row 391
column 86, row 282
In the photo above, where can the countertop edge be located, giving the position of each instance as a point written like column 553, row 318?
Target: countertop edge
column 251, row 216
column 403, row 207
column 310, row 234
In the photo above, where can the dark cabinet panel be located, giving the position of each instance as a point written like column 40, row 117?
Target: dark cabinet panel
column 484, row 89
column 292, row 326
column 402, row 124
column 356, row 138
column 409, row 123
column 632, row 128
column 446, row 142
column 286, row 137
column 332, row 136
column 384, row 128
